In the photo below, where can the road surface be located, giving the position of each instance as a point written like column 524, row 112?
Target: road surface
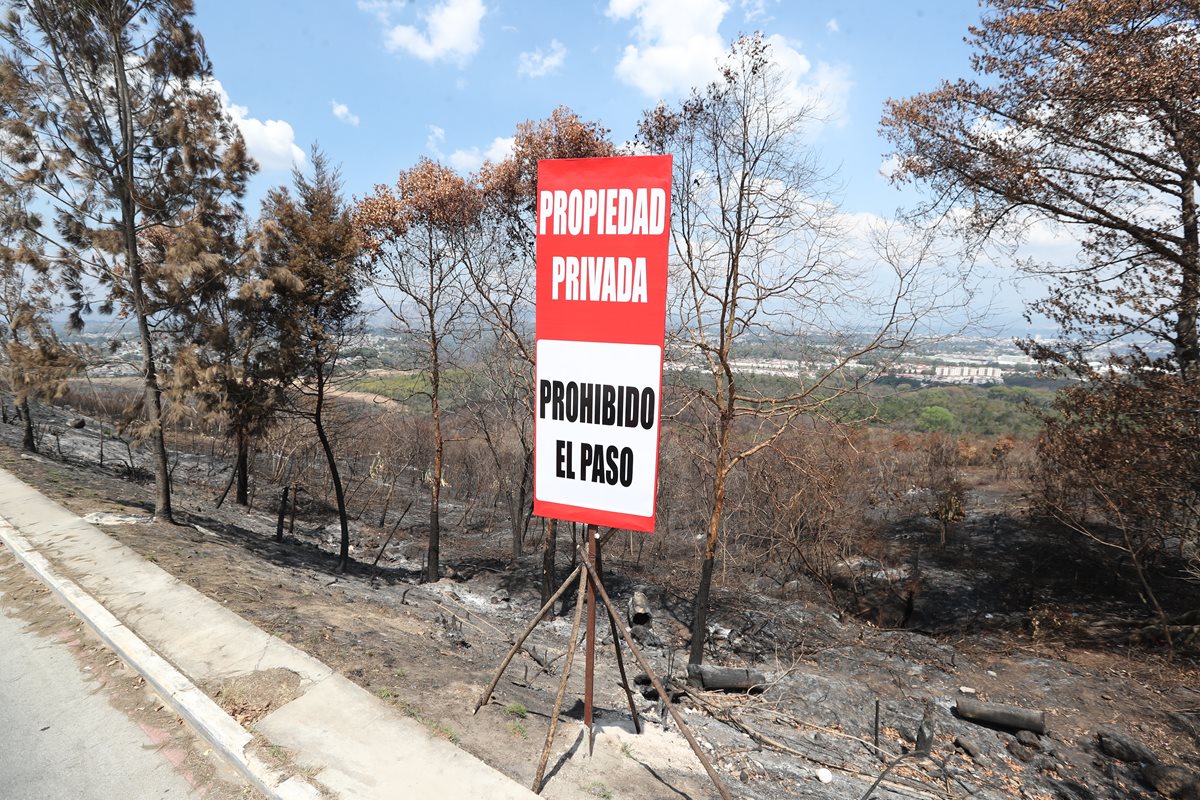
column 60, row 734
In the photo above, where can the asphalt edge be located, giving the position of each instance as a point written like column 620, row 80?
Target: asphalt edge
column 225, row 734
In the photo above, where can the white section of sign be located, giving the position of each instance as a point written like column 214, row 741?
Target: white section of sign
column 637, row 365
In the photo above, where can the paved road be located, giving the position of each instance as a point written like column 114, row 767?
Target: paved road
column 59, row 736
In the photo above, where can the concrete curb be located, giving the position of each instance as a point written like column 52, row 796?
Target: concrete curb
column 223, row 732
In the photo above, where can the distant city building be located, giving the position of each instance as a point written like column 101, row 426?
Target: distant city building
column 958, row 374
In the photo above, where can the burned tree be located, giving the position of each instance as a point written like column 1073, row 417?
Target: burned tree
column 757, row 252
column 109, row 114
column 417, row 236
column 310, row 252
column 33, row 362
column 227, row 360
column 1083, row 115
column 502, row 276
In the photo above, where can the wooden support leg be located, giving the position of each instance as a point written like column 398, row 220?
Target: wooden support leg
column 562, row 685
column 612, row 623
column 662, row 692
column 589, row 661
column 487, row 693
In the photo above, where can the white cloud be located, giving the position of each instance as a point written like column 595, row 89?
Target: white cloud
column 1047, row 236
column 468, row 160
column 272, row 142
column 433, row 142
column 501, row 148
column 822, row 91
column 796, row 65
column 832, row 25
column 753, row 9
column 537, row 64
column 342, row 112
column 677, row 43
column 451, row 29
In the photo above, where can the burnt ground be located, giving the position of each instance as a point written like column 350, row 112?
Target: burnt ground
column 998, row 615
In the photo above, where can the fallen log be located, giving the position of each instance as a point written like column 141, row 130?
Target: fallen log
column 639, row 610
column 646, row 687
column 1002, row 716
column 726, row 679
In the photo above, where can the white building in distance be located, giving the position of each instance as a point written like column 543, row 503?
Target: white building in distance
column 957, row 374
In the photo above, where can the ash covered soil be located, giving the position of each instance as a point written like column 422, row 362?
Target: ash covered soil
column 983, row 624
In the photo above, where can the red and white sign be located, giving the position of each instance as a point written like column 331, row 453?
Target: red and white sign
column 603, row 228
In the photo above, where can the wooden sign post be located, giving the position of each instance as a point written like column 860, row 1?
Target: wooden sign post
column 603, row 231
column 602, row 236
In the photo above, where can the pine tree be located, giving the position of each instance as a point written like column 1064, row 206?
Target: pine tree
column 109, row 111
column 1081, row 114
column 310, row 253
column 33, row 362
column 225, row 364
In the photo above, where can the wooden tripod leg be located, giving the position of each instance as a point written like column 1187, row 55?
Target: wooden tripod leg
column 612, row 622
column 538, row 617
column 562, row 686
column 645, row 665
column 637, row 719
column 589, row 653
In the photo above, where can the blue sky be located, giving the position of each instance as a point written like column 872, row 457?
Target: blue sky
column 378, row 84
column 400, row 75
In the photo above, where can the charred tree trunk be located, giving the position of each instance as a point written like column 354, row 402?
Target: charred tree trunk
column 513, row 503
column 283, row 501
column 242, row 469
column 549, row 543
column 292, row 515
column 1003, row 716
column 435, row 489
column 1187, row 337
column 700, row 615
column 28, row 442
column 726, row 679
column 338, row 492
column 387, row 502
column 518, row 500
column 152, row 393
column 704, row 589
column 724, row 387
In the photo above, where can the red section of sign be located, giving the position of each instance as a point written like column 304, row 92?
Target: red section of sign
column 632, row 323
column 637, row 316
column 594, row 516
